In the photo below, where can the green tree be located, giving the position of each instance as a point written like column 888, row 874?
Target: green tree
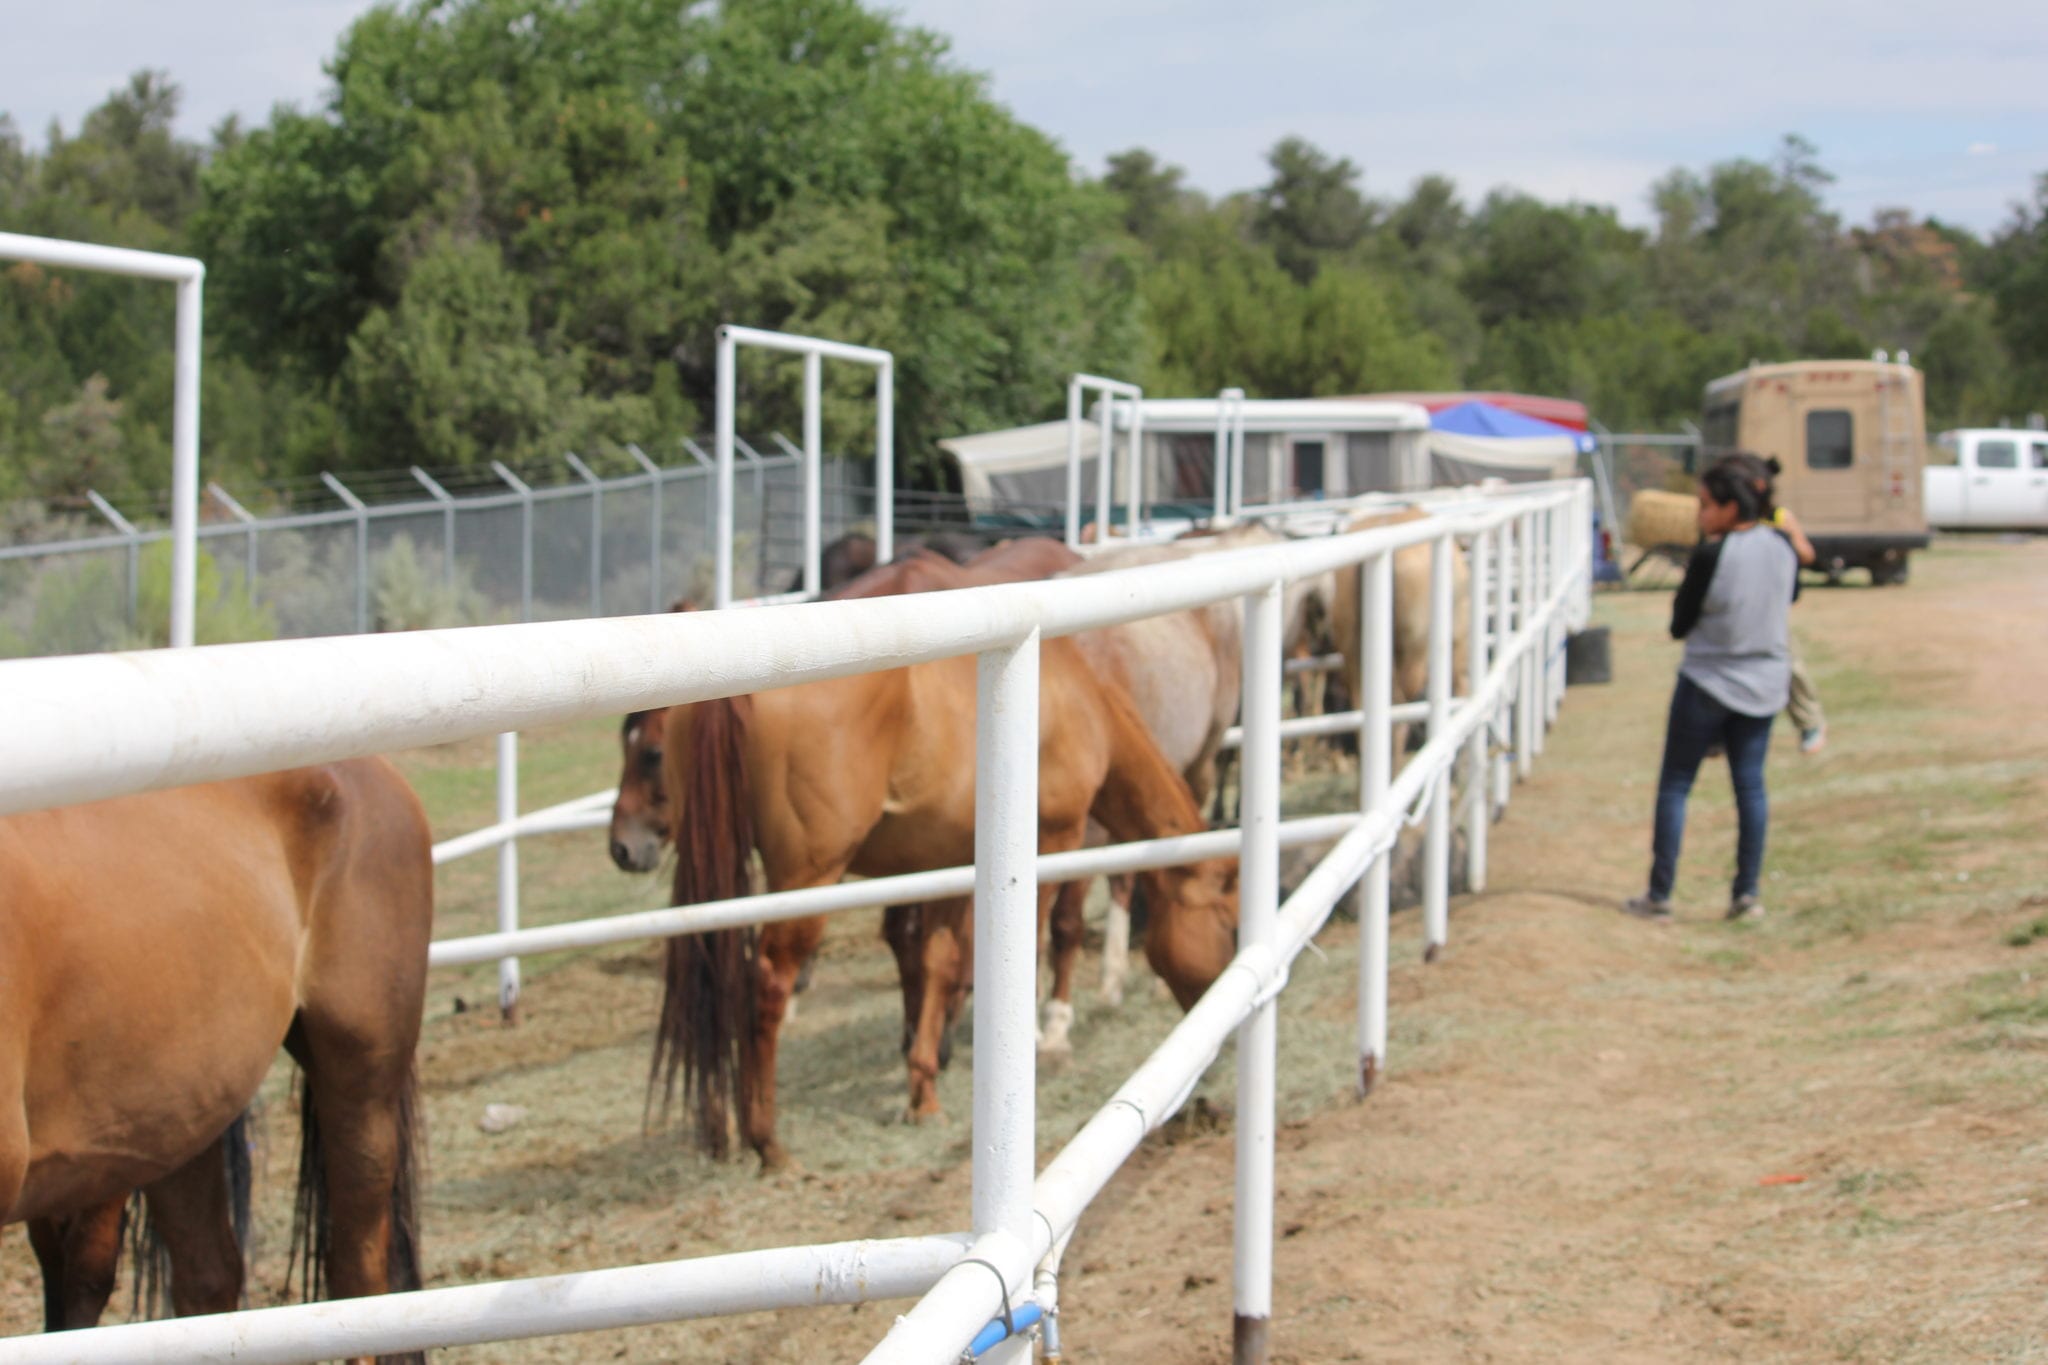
column 1311, row 211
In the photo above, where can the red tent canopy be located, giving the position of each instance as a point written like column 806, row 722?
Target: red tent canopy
column 1563, row 411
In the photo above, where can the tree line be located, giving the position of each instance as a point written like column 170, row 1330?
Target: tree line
column 512, row 227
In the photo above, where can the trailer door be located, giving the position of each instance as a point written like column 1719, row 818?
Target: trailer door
column 1834, row 487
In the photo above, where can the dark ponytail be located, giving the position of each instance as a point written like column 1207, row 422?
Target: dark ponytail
column 1744, row 480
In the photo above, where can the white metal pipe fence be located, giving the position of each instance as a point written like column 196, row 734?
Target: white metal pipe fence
column 190, row 277
column 98, row 726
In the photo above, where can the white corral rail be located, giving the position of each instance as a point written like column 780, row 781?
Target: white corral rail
column 98, row 726
column 189, row 276
column 815, row 351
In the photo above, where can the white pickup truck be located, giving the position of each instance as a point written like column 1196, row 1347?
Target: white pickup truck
column 1993, row 479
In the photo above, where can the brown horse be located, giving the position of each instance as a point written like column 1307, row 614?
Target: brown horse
column 159, row 949
column 865, row 775
column 640, row 820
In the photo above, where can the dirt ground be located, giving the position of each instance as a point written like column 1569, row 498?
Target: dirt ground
column 1819, row 1136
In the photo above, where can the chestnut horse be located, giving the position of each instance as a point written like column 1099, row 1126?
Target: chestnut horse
column 640, row 823
column 158, row 950
column 865, row 775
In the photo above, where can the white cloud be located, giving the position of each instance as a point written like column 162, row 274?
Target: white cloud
column 1983, row 148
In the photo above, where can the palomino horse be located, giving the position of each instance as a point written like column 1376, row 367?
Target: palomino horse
column 158, row 950
column 1411, row 617
column 1185, row 672
column 640, row 823
column 865, row 775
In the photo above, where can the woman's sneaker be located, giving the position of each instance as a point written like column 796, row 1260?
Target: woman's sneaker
column 1746, row 907
column 1647, row 907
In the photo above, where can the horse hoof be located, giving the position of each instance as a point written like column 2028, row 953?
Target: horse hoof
column 1055, row 1051
column 775, row 1160
column 1113, row 996
column 917, row 1115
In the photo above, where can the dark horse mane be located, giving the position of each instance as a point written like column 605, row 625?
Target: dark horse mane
column 705, row 1037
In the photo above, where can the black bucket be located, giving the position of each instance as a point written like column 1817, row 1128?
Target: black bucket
column 1586, row 658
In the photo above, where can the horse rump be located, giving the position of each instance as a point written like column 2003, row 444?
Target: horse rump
column 705, row 1038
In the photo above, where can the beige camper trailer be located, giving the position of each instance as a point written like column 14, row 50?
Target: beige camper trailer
column 1851, row 437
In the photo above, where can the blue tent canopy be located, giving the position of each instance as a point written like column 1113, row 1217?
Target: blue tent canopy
column 1484, row 419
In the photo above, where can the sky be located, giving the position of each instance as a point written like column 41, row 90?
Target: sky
column 1939, row 108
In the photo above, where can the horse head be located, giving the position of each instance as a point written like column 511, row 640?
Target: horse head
column 640, row 818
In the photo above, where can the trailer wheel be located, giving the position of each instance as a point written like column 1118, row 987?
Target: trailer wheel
column 1890, row 569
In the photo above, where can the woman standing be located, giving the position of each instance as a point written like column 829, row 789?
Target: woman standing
column 1737, row 674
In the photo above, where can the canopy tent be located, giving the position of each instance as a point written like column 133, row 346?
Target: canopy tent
column 1472, row 441
column 1564, row 412
column 1021, row 465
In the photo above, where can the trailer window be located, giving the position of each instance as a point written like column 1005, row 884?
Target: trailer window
column 1830, row 439
column 1998, row 455
column 2041, row 454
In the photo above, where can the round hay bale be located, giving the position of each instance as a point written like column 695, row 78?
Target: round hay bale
column 1656, row 518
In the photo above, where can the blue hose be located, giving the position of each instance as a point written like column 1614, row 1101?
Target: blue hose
column 996, row 1332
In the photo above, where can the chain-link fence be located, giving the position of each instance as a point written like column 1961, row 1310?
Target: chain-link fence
column 533, row 544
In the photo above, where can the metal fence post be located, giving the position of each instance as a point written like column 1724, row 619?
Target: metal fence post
column 1258, row 1036
column 243, row 515
column 596, row 531
column 441, row 496
column 1503, row 638
column 885, row 461
column 1436, row 855
column 525, row 537
column 1477, row 772
column 654, row 482
column 721, row 493
column 1104, row 509
column 508, row 872
column 1073, row 462
column 1005, row 948
column 814, row 459
column 1375, row 763
column 134, row 547
column 356, row 505
column 1525, row 671
column 185, row 464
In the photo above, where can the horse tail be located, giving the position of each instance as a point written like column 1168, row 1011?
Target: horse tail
column 143, row 1243
column 238, row 1151
column 311, row 1227
column 706, row 1035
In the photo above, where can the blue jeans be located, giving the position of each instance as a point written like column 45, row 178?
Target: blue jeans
column 1698, row 722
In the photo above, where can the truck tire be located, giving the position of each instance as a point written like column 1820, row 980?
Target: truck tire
column 1890, row 569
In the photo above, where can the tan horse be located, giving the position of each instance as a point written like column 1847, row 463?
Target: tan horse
column 640, row 819
column 158, row 951
column 1411, row 618
column 872, row 775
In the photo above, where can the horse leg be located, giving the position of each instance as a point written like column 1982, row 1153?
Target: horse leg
column 1061, row 907
column 356, row 1132
column 779, row 958
column 943, row 945
column 190, row 1210
column 79, row 1255
column 900, row 931
column 1116, row 940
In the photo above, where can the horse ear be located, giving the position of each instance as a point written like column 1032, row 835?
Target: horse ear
column 682, row 604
